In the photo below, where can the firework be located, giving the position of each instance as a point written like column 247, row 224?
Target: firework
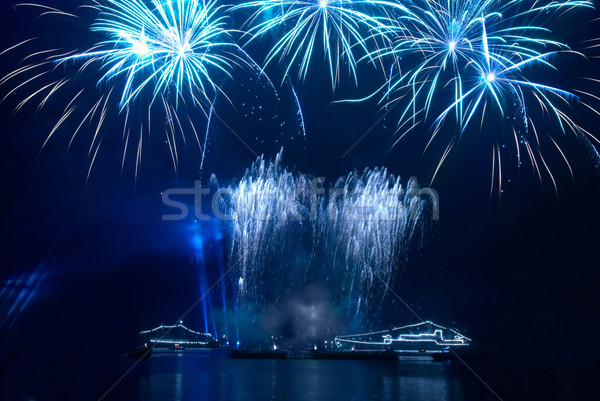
column 158, row 58
column 335, row 29
column 287, row 229
column 483, row 55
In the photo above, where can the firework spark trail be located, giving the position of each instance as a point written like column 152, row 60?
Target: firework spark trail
column 300, row 113
column 210, row 114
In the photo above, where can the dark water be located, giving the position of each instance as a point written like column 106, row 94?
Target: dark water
column 196, row 377
column 213, row 376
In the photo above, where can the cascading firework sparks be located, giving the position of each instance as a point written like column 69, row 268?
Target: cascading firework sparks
column 267, row 208
column 371, row 221
column 286, row 233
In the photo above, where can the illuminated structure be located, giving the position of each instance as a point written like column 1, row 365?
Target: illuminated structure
column 421, row 336
column 177, row 337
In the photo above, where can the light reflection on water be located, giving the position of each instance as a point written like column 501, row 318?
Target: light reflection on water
column 184, row 377
column 199, row 376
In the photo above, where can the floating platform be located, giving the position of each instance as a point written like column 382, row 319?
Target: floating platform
column 361, row 355
column 460, row 354
column 245, row 354
column 332, row 355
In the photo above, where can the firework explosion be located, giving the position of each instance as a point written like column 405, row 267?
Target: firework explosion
column 333, row 29
column 484, row 55
column 158, row 57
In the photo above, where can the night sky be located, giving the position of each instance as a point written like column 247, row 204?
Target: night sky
column 519, row 272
